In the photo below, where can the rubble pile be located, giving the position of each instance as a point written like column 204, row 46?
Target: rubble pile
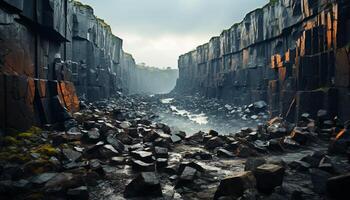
column 115, row 149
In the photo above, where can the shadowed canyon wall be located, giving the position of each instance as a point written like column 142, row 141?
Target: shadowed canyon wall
column 53, row 51
column 294, row 54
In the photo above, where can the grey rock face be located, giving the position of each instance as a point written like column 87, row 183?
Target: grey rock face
column 277, row 54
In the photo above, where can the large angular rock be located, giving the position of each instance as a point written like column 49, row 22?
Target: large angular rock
column 214, row 142
column 42, row 178
column 140, row 166
column 268, row 176
column 300, row 136
column 118, row 145
column 235, row 185
column 224, row 153
column 244, row 151
column 175, row 138
column 93, row 135
column 79, row 193
column 143, row 156
column 146, row 185
column 150, row 136
column 71, row 155
column 108, row 151
column 193, row 165
column 187, row 176
column 161, row 152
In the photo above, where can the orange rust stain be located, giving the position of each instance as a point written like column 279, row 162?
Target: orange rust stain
column 273, row 62
column 67, row 95
column 340, row 134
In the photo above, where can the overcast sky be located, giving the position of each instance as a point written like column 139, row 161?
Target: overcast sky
column 156, row 32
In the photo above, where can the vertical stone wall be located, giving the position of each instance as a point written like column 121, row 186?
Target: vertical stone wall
column 51, row 52
column 96, row 52
column 35, row 81
column 291, row 53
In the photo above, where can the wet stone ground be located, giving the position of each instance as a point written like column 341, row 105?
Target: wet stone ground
column 177, row 147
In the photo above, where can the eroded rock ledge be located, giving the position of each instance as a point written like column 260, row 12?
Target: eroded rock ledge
column 291, row 53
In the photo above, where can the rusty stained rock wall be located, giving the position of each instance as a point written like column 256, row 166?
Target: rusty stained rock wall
column 36, row 86
column 292, row 54
column 51, row 52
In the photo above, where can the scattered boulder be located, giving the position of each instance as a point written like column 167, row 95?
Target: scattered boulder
column 118, row 160
column 161, row 163
column 213, row 133
column 79, row 193
column 268, row 176
column 71, row 155
column 234, row 186
column 146, row 185
column 150, row 136
column 175, row 138
column 224, row 153
column 118, row 145
column 275, row 145
column 140, row 166
column 214, row 143
column 187, row 176
column 244, row 151
column 108, row 151
column 133, row 132
column 314, row 159
column 181, row 134
column 300, row 136
column 160, row 152
column 93, row 135
column 143, row 156
column 42, row 178
column 193, row 165
column 124, row 138
column 125, row 125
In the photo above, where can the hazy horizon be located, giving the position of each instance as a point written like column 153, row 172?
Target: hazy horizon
column 157, row 32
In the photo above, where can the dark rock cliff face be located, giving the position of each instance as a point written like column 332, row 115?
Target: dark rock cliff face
column 53, row 51
column 36, row 85
column 96, row 52
column 292, row 53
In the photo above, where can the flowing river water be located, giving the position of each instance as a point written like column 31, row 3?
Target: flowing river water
column 192, row 121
